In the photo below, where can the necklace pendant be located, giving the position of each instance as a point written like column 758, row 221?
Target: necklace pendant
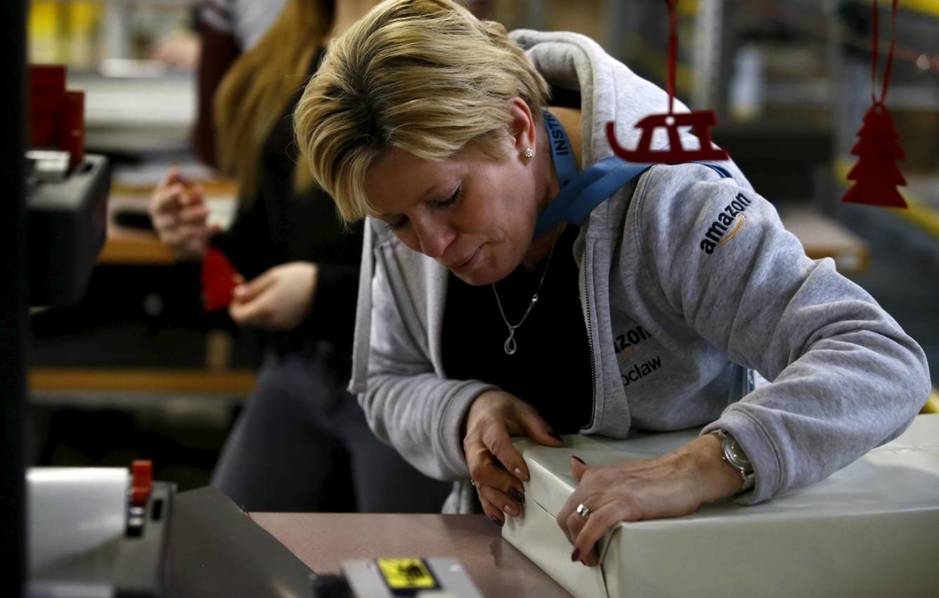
column 510, row 346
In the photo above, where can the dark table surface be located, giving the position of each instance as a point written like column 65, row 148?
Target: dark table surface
column 323, row 540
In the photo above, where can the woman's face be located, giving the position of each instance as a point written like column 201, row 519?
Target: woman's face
column 474, row 215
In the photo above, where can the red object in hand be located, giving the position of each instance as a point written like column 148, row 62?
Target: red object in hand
column 141, row 484
column 218, row 280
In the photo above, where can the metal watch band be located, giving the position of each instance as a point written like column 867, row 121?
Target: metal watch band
column 731, row 454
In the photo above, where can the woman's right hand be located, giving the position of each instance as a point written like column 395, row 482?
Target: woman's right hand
column 180, row 216
column 278, row 299
column 496, row 469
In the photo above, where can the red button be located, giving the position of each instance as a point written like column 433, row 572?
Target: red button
column 141, row 484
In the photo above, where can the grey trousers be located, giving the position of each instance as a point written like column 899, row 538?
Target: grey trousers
column 302, row 444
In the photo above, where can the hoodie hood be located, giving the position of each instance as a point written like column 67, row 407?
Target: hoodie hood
column 609, row 90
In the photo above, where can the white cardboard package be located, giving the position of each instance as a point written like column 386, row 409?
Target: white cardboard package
column 871, row 529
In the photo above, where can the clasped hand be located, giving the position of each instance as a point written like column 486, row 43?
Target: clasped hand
column 180, row 216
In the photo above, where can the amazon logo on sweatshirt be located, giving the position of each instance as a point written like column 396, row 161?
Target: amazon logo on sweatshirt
column 728, row 223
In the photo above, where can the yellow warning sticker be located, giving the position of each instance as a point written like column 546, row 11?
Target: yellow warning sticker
column 407, row 574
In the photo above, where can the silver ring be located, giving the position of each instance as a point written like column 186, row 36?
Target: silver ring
column 583, row 510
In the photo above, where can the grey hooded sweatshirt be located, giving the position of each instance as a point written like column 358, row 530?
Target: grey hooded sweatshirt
column 686, row 278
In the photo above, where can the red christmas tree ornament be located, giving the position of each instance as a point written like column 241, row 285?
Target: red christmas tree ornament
column 218, row 280
column 876, row 174
column 700, row 121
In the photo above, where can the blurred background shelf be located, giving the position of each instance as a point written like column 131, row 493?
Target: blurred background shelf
column 134, row 247
column 145, row 381
column 128, row 115
column 823, row 237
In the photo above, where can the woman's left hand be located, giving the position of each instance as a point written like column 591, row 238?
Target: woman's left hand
column 278, row 299
column 496, row 468
column 672, row 485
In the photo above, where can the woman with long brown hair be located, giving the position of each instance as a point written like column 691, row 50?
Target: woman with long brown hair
column 302, row 442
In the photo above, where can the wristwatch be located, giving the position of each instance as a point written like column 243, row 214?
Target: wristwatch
column 733, row 455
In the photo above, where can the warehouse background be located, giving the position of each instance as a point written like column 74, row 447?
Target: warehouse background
column 138, row 370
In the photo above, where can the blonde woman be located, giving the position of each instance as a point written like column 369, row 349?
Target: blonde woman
column 482, row 316
column 302, row 443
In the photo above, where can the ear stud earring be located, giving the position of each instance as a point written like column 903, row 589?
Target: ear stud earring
column 528, row 153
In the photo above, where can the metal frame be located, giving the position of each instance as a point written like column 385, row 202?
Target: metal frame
column 13, row 310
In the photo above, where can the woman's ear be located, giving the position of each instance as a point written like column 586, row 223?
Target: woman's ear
column 523, row 126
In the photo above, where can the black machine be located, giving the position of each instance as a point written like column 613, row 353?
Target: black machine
column 90, row 531
column 66, row 224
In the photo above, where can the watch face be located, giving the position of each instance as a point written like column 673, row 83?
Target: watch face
column 738, row 456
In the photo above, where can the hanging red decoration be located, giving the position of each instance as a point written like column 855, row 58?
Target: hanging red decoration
column 700, row 121
column 876, row 174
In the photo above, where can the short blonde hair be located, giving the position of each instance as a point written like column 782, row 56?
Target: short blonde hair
column 422, row 76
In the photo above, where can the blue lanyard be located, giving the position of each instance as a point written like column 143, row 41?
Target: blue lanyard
column 562, row 152
column 581, row 193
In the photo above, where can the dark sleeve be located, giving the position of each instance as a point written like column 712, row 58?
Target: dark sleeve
column 247, row 243
column 336, row 253
column 333, row 316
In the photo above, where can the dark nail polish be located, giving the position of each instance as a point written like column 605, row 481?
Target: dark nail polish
column 578, row 459
column 517, row 495
column 575, row 556
column 496, row 520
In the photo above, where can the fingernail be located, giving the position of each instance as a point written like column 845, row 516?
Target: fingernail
column 510, row 510
column 575, row 556
column 555, row 436
column 520, row 497
column 578, row 459
column 518, row 471
column 495, row 520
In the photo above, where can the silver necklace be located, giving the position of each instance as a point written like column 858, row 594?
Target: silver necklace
column 511, row 346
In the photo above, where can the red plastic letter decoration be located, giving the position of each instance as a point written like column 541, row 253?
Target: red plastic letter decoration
column 700, row 121
column 876, row 174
